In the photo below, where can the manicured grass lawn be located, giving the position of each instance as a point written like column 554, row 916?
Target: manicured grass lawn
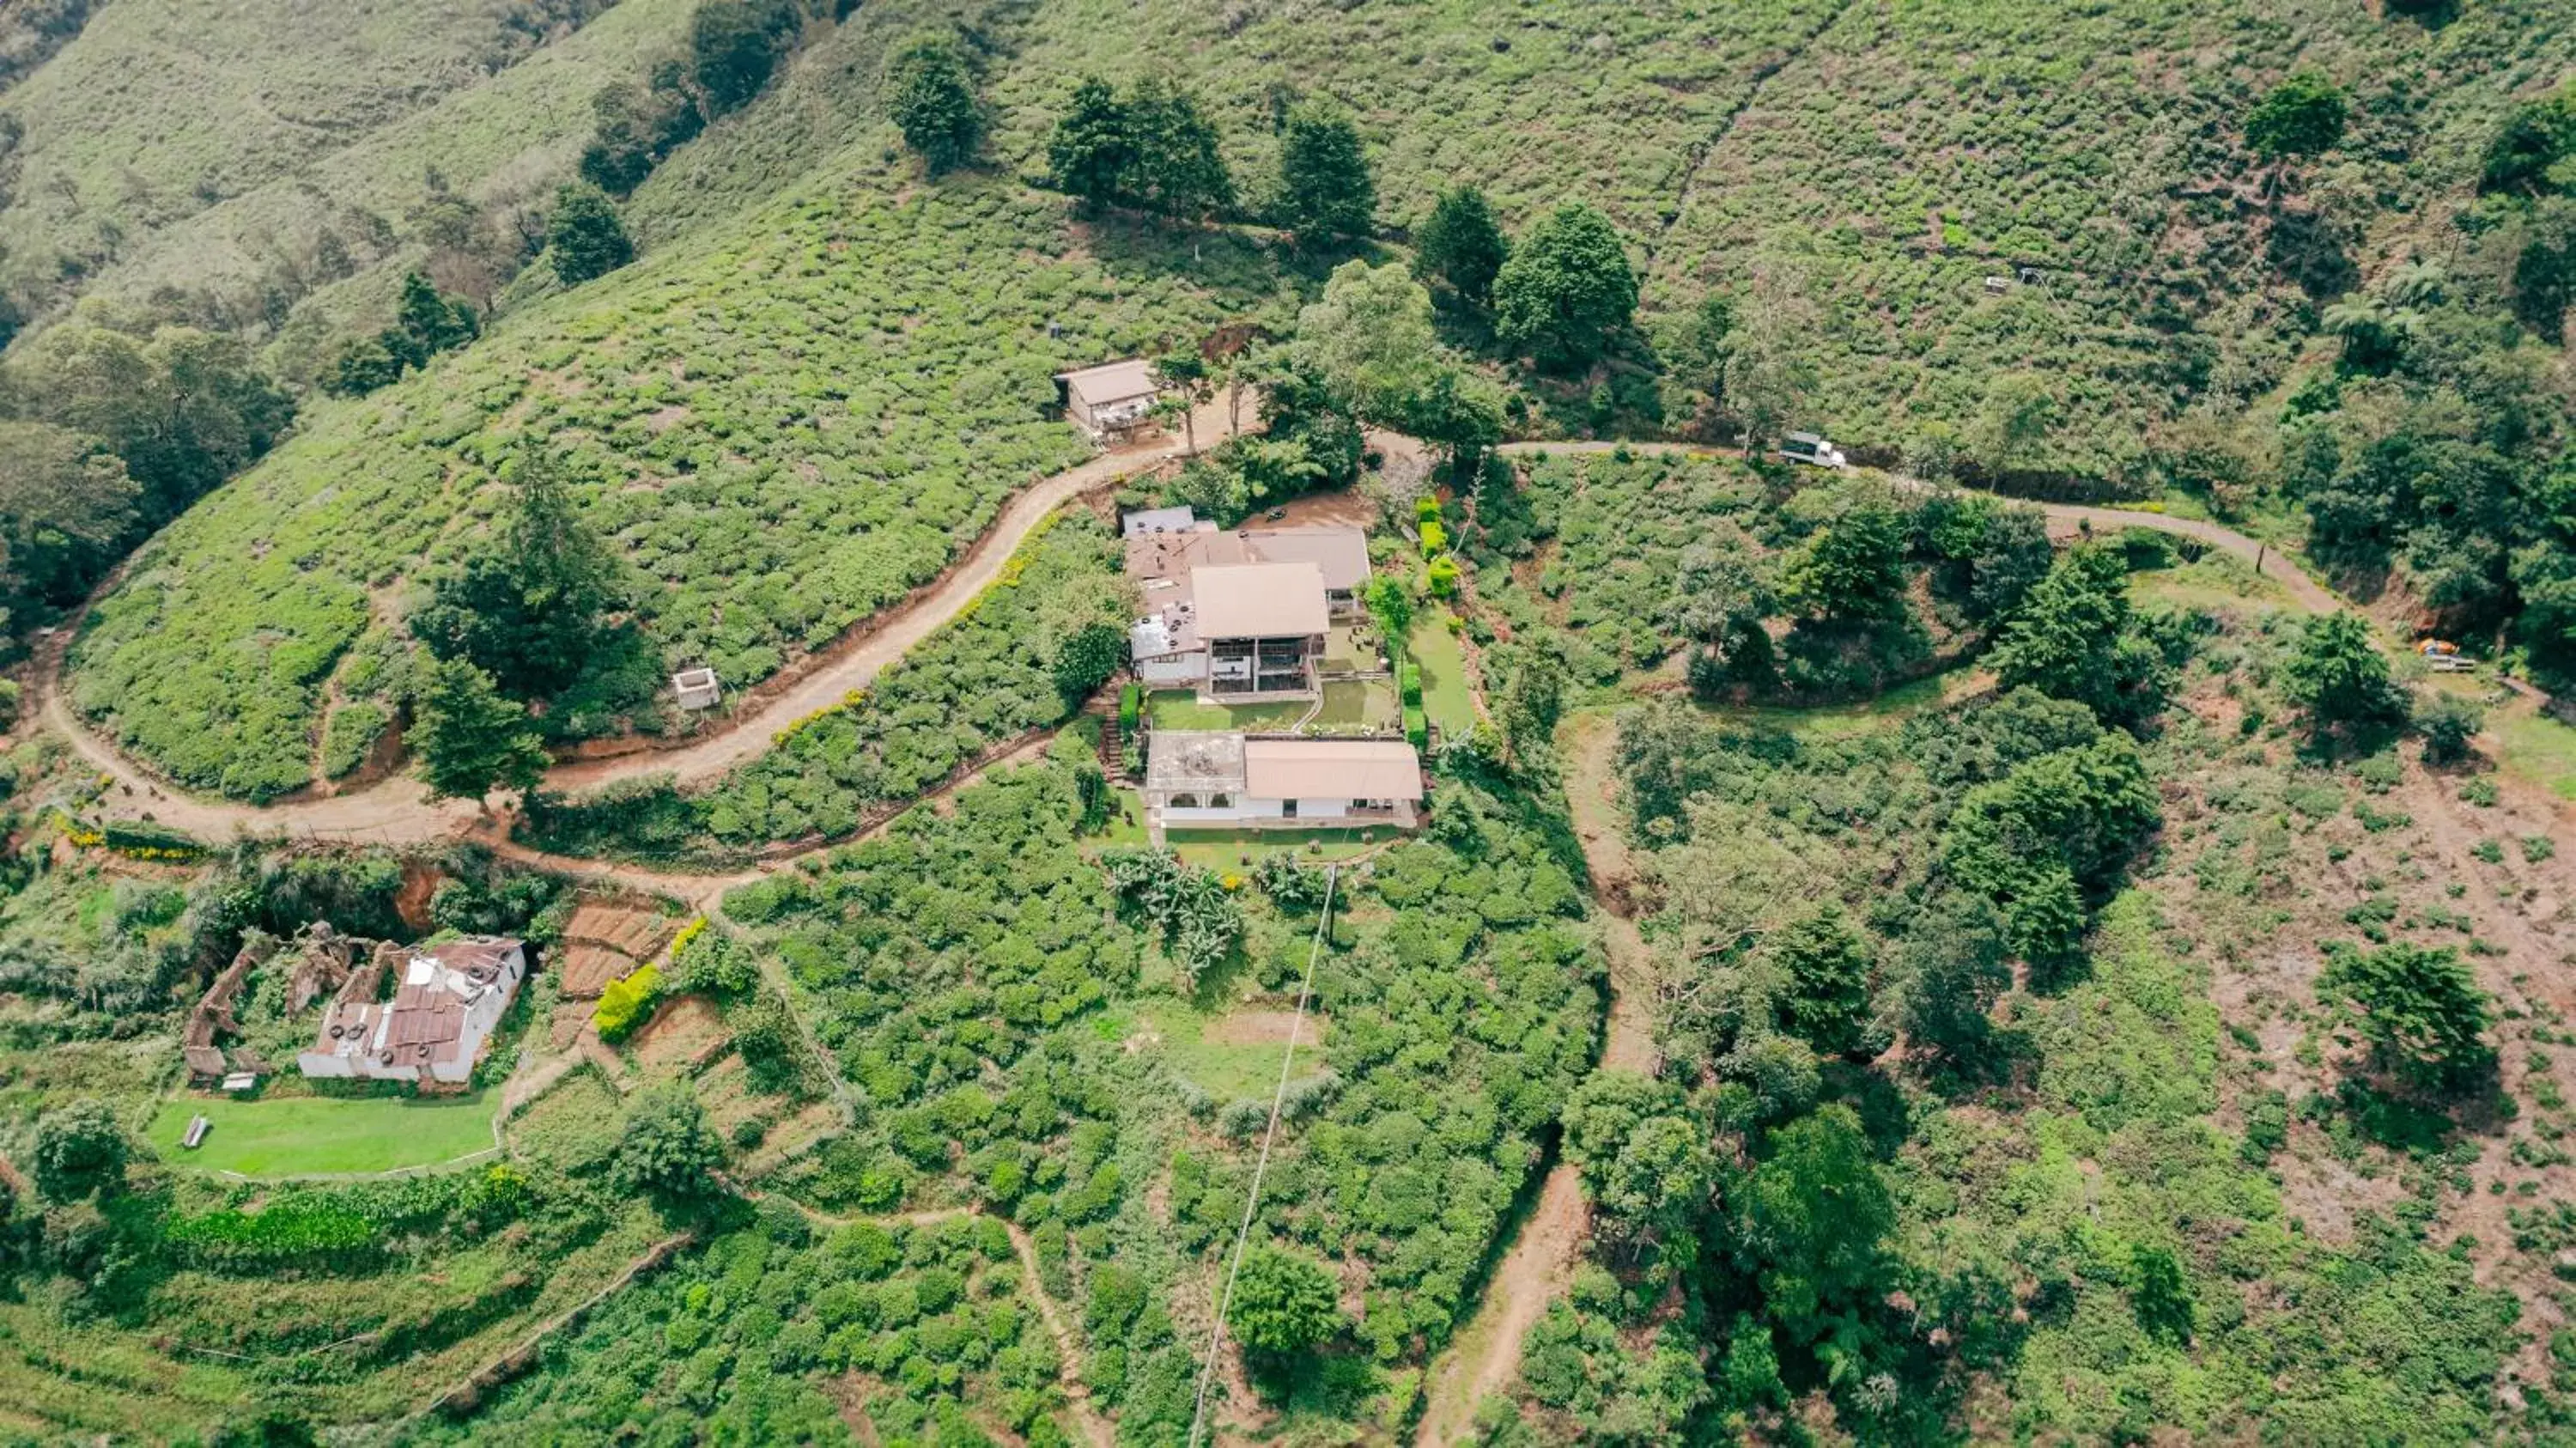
column 1225, row 849
column 1347, row 705
column 298, row 1135
column 1126, row 819
column 1445, row 697
column 2538, row 748
column 1181, row 709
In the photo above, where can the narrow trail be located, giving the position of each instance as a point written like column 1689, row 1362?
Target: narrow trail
column 1095, row 1429
column 1486, row 1355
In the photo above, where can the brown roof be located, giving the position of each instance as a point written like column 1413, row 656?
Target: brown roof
column 1340, row 552
column 1259, row 600
column 1110, row 381
column 1331, row 769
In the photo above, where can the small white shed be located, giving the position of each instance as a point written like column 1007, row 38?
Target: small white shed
column 696, row 688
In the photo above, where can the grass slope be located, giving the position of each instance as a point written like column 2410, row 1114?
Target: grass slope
column 164, row 109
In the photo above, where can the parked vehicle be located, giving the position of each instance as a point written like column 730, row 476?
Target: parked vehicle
column 1806, row 447
column 2445, row 658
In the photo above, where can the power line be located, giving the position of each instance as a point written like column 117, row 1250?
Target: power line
column 1252, row 1198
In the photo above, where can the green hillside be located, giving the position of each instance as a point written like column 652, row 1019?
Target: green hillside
column 206, row 149
column 789, row 424
column 1727, row 150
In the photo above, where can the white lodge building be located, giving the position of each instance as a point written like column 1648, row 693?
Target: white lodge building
column 1221, row 781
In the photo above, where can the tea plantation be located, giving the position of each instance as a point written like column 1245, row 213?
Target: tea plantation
column 788, row 427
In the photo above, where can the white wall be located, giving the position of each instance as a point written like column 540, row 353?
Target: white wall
column 1179, row 669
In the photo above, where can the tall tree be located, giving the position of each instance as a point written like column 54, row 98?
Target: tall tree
column 66, row 506
column 2301, row 118
column 430, row 321
column 1461, row 413
column 1183, row 376
column 733, row 47
column 1369, row 337
column 529, row 612
column 183, row 408
column 1178, row 169
column 1093, row 147
column 1646, row 1162
column 930, row 92
column 1283, row 1303
column 470, row 740
column 2421, row 1010
column 2340, row 677
column 1826, row 966
column 1565, row 289
column 1462, row 244
column 1325, row 190
column 1809, row 1227
column 1853, row 569
column 80, row 1151
column 666, row 1151
column 584, row 236
column 2074, row 639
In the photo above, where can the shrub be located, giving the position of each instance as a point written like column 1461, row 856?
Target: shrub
column 1426, row 509
column 626, row 1002
column 1435, row 539
column 1409, row 683
column 1131, row 707
column 2449, row 725
column 1443, row 576
column 1417, row 726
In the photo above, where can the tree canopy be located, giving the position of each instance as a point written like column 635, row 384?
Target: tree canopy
column 1325, row 190
column 666, row 1151
column 584, row 236
column 2301, row 117
column 930, row 92
column 1565, row 288
column 529, row 612
column 2420, row 1009
column 2074, row 638
column 469, row 739
column 1283, row 1303
column 1461, row 243
column 2340, row 677
column 1094, row 144
column 80, row 1151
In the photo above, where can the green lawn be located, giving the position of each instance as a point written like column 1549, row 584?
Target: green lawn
column 1226, row 849
column 1347, row 705
column 301, row 1135
column 1891, row 708
column 1181, row 709
column 1445, row 696
column 1226, row 1070
column 2539, row 749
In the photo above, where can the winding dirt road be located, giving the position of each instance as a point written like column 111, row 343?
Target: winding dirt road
column 2065, row 519
column 398, row 811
